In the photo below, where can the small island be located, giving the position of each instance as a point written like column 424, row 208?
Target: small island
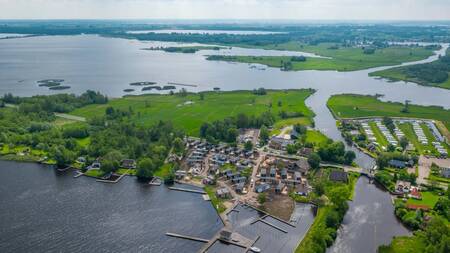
column 184, row 50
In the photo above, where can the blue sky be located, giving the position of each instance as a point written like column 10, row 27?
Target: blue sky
column 228, row 9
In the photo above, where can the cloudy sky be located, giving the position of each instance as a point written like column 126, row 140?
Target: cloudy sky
column 228, row 9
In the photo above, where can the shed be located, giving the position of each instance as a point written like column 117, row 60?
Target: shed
column 339, row 176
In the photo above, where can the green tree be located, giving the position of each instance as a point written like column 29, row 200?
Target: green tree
column 108, row 166
column 178, row 145
column 349, row 156
column 262, row 198
column 291, row 149
column 314, row 161
column 248, row 146
column 264, row 135
column 145, row 168
column 403, row 142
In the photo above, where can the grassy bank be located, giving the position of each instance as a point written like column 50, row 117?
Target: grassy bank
column 340, row 58
column 190, row 111
column 398, row 74
column 353, row 106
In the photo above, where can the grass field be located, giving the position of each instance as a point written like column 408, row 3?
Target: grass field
column 353, row 106
column 342, row 59
column 404, row 244
column 428, row 198
column 164, row 171
column 397, row 74
column 316, row 137
column 215, row 201
column 149, row 109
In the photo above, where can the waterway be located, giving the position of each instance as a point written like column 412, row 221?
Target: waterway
column 108, row 65
column 43, row 210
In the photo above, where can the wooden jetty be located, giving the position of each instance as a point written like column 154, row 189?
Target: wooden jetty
column 187, row 237
column 187, row 190
column 79, row 174
column 266, row 214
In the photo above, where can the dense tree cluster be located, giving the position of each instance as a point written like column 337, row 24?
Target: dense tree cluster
column 433, row 72
column 335, row 152
column 61, row 103
column 227, row 130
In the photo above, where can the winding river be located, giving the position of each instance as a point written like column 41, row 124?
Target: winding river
column 108, row 65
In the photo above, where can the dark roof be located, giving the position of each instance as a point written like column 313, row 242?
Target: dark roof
column 338, row 176
column 397, row 163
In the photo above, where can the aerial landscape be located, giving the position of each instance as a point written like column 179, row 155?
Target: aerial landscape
column 225, row 126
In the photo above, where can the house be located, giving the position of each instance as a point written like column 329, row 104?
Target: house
column 262, row 188
column 339, row 176
column 180, row 174
column 209, row 180
column 128, row 164
column 305, row 152
column 415, row 193
column 279, row 188
column 239, row 188
column 263, row 173
column 223, row 193
column 402, row 186
column 280, row 143
column 302, row 190
column 95, row 166
column 284, row 174
column 445, row 172
column 398, row 164
column 225, row 235
column 297, row 176
column 302, row 165
column 238, row 180
column 273, row 172
column 81, row 160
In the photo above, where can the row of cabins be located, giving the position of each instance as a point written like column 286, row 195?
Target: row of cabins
column 385, row 131
column 420, row 134
column 96, row 165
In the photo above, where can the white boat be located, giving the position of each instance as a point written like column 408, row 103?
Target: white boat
column 255, row 249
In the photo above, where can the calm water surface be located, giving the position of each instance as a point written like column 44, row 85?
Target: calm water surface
column 45, row 211
column 108, row 65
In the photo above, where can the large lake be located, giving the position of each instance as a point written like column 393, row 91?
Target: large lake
column 108, row 65
column 46, row 211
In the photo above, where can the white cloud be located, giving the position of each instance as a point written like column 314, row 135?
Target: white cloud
column 229, row 9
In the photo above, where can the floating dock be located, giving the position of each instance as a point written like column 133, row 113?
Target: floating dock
column 187, row 237
column 187, row 190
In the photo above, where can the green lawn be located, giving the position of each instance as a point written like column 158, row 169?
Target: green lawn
column 428, row 198
column 149, row 109
column 342, row 59
column 404, row 244
column 215, row 201
column 397, row 74
column 353, row 106
column 381, row 139
column 163, row 171
column 316, row 137
column 94, row 173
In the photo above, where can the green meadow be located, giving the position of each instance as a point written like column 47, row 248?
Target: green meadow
column 340, row 59
column 191, row 111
